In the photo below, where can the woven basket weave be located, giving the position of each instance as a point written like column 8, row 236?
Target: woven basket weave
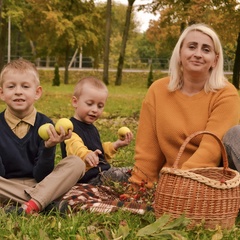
column 205, row 195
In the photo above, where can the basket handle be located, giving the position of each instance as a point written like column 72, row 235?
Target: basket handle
column 188, row 139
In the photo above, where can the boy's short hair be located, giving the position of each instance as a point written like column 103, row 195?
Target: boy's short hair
column 22, row 66
column 93, row 81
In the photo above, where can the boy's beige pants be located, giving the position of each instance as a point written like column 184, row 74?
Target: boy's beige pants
column 66, row 174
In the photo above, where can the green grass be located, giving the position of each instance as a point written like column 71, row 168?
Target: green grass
column 122, row 108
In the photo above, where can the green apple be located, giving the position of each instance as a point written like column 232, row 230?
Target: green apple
column 42, row 131
column 122, row 132
column 65, row 123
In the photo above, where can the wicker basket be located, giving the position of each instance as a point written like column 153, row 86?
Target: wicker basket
column 205, row 195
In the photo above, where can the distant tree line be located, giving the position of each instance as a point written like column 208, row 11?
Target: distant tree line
column 108, row 32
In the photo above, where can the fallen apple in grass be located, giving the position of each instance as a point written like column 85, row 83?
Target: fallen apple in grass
column 65, row 123
column 122, row 132
column 42, row 131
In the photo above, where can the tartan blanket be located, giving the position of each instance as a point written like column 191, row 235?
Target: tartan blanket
column 101, row 199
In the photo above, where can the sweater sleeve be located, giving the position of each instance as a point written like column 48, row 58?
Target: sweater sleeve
column 75, row 146
column 2, row 168
column 109, row 150
column 44, row 162
column 149, row 158
column 224, row 115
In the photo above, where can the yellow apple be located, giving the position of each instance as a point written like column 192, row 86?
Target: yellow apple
column 122, row 132
column 42, row 131
column 65, row 123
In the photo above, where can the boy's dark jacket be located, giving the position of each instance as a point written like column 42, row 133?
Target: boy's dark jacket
column 91, row 139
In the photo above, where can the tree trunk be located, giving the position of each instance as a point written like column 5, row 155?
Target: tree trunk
column 66, row 66
column 3, row 35
column 236, row 67
column 118, row 81
column 107, row 42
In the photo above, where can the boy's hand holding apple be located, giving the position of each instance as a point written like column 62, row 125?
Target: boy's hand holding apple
column 54, row 135
column 43, row 131
column 65, row 123
column 122, row 132
column 125, row 136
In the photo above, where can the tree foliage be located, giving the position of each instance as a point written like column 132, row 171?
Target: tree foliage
column 9, row 9
column 56, row 28
column 222, row 15
column 65, row 26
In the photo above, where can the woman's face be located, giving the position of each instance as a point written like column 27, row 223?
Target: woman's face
column 197, row 54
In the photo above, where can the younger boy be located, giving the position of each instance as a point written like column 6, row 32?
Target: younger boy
column 89, row 98
column 27, row 173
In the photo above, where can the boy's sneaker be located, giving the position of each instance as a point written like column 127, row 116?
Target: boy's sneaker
column 116, row 174
column 13, row 209
column 57, row 206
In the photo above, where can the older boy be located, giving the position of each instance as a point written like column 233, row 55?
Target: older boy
column 27, row 173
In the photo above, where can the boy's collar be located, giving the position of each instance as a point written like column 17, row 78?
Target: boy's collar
column 13, row 121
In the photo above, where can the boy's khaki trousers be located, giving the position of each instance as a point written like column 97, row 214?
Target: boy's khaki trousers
column 66, row 174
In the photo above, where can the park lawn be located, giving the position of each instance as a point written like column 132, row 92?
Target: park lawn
column 122, row 108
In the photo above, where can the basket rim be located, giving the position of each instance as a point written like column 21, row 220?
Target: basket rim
column 219, row 184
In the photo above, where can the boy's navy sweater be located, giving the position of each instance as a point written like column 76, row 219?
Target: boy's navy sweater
column 26, row 157
column 91, row 139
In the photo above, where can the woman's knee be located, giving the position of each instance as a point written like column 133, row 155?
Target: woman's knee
column 231, row 143
column 232, row 135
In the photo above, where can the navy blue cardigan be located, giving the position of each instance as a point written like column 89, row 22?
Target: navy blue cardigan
column 26, row 157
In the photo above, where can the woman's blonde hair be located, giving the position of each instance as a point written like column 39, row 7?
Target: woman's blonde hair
column 217, row 79
column 22, row 66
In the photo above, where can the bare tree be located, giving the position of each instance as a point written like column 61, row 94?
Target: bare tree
column 107, row 42
column 118, row 81
column 236, row 68
column 3, row 34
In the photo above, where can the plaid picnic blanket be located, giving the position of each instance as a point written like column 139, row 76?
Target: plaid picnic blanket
column 101, row 199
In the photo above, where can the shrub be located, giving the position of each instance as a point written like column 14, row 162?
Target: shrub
column 150, row 76
column 56, row 79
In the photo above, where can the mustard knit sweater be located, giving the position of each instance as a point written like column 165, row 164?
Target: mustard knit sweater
column 168, row 118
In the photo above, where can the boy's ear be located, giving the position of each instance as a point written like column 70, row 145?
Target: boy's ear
column 74, row 101
column 38, row 92
column 1, row 94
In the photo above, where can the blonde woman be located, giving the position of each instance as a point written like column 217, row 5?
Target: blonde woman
column 194, row 97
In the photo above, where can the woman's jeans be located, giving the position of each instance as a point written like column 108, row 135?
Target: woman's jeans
column 231, row 141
